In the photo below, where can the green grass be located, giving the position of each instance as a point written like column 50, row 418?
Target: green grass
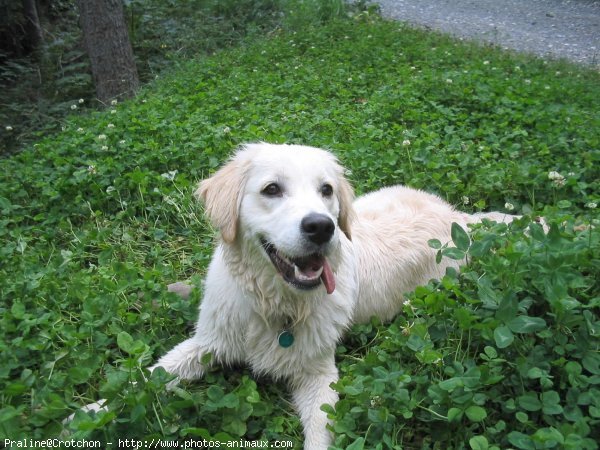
column 98, row 219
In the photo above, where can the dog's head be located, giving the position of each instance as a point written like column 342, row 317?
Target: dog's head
column 291, row 201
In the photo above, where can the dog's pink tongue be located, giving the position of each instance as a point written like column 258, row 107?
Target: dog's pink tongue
column 327, row 277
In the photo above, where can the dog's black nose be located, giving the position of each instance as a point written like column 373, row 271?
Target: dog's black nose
column 318, row 228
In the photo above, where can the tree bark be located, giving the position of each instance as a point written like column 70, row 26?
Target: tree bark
column 35, row 36
column 107, row 43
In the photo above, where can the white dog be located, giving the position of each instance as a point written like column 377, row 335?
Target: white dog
column 298, row 262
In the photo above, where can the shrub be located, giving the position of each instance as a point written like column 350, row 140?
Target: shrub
column 503, row 355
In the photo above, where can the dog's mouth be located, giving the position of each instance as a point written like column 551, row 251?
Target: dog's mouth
column 306, row 272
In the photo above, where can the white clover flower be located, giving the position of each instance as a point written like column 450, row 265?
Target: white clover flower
column 101, row 137
column 406, row 142
column 553, row 175
column 449, row 81
column 80, row 130
column 122, row 141
column 81, row 101
column 114, row 102
column 73, row 107
column 413, row 68
column 527, row 81
column 8, row 128
column 466, row 200
column 110, row 189
column 509, row 206
column 92, row 169
column 556, row 178
column 485, row 63
column 591, row 205
column 104, row 147
column 63, row 128
column 110, row 125
column 349, row 79
column 113, row 111
column 406, row 330
column 226, row 130
column 170, row 175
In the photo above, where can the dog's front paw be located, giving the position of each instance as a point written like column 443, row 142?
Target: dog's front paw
column 171, row 384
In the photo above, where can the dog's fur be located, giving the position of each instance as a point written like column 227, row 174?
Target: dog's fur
column 376, row 253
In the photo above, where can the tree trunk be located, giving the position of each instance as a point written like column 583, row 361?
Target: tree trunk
column 108, row 46
column 35, row 36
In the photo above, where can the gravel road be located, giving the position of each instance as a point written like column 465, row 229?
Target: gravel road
column 549, row 28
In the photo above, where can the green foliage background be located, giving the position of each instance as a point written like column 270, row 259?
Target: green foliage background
column 97, row 219
column 42, row 87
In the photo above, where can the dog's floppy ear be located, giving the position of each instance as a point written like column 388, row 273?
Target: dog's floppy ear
column 345, row 195
column 222, row 196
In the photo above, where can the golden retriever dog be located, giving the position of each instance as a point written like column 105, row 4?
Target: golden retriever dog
column 298, row 261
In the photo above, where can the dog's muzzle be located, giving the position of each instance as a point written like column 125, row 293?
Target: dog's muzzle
column 305, row 272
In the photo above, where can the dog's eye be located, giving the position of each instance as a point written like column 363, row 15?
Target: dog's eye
column 272, row 190
column 326, row 190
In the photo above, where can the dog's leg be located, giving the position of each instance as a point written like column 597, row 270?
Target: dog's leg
column 185, row 360
column 507, row 218
column 494, row 216
column 310, row 391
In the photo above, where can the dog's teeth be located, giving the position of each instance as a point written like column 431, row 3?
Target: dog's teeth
column 300, row 276
column 297, row 274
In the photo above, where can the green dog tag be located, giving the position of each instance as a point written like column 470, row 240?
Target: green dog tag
column 285, row 338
